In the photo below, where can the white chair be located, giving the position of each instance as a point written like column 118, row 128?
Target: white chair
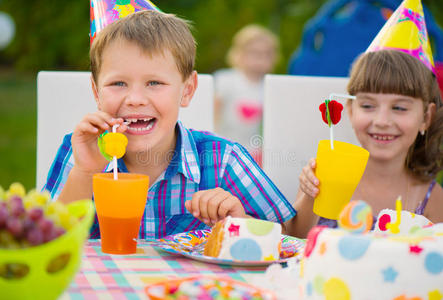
column 292, row 125
column 63, row 98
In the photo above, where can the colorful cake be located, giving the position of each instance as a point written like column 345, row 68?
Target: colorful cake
column 244, row 239
column 339, row 264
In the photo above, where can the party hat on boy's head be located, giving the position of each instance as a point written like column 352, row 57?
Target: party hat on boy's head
column 104, row 12
column 406, row 31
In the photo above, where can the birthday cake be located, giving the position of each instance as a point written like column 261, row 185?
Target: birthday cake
column 347, row 264
column 244, row 239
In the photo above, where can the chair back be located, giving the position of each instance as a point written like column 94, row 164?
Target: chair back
column 292, row 125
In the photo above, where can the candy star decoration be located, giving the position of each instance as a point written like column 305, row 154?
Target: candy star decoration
column 104, row 12
column 405, row 31
column 394, row 227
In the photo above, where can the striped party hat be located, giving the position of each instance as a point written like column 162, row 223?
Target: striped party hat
column 104, row 12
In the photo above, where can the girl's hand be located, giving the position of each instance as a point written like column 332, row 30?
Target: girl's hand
column 87, row 156
column 308, row 182
column 212, row 205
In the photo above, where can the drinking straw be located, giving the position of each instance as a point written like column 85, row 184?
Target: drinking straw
column 331, row 97
column 114, row 158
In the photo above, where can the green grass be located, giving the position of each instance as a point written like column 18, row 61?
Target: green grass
column 18, row 123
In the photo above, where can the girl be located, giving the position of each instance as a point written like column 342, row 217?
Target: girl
column 239, row 89
column 398, row 117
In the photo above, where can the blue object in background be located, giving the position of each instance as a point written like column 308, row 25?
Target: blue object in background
column 342, row 29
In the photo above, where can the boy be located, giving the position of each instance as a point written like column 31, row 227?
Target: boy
column 142, row 72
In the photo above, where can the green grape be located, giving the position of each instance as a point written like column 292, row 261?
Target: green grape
column 54, row 218
column 16, row 188
column 29, row 220
column 32, row 199
column 68, row 221
column 43, row 198
column 2, row 194
column 56, row 208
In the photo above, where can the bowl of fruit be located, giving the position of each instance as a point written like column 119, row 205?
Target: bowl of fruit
column 41, row 243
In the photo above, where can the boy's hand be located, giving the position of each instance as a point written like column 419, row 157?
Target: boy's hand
column 210, row 206
column 88, row 158
column 308, row 182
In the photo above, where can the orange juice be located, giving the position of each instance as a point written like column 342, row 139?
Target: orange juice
column 117, row 234
column 120, row 205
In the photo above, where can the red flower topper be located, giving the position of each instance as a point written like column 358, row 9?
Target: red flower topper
column 332, row 112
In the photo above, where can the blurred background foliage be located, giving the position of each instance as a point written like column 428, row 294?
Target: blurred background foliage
column 54, row 35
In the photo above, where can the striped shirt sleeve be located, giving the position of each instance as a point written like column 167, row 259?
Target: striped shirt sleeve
column 60, row 168
column 261, row 199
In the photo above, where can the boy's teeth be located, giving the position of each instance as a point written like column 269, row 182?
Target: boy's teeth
column 149, row 126
column 135, row 120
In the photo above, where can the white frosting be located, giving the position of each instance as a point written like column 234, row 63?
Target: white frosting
column 250, row 239
column 409, row 221
column 374, row 265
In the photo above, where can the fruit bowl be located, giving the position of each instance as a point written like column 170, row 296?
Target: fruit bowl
column 45, row 271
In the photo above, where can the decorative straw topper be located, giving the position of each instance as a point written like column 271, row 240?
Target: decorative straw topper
column 331, row 113
column 112, row 146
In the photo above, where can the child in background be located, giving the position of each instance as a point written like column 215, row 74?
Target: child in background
column 142, row 73
column 239, row 91
column 398, row 117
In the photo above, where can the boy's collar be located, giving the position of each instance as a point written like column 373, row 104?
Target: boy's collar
column 185, row 159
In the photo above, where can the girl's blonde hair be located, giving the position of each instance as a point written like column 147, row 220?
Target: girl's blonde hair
column 244, row 37
column 395, row 72
column 154, row 32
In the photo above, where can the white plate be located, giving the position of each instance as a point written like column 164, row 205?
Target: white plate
column 191, row 244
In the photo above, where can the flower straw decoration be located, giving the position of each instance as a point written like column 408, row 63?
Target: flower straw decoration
column 112, row 146
column 331, row 113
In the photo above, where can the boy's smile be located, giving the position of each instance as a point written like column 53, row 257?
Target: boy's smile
column 146, row 90
column 139, row 124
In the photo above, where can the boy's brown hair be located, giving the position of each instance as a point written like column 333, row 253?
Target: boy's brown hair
column 154, row 32
column 395, row 72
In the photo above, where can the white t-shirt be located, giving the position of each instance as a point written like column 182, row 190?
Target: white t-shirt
column 242, row 108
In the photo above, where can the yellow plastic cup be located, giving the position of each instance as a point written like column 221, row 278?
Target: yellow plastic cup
column 120, row 205
column 339, row 172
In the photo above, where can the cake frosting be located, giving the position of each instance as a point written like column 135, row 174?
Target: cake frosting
column 244, row 239
column 409, row 222
column 339, row 264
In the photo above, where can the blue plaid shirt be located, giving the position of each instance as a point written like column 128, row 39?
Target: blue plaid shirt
column 200, row 161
